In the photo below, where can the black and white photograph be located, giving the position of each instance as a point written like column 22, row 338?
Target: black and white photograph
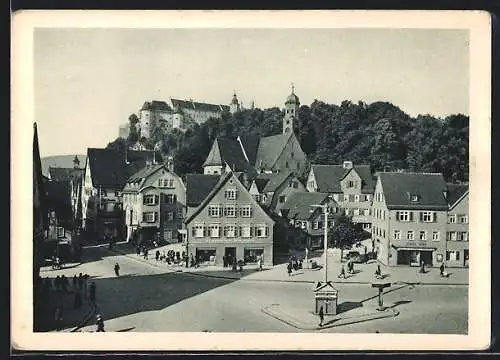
column 225, row 176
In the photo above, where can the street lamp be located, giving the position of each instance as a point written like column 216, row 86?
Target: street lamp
column 325, row 242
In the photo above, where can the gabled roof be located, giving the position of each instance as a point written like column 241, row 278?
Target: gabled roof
column 141, row 175
column 275, row 180
column 429, row 187
column 193, row 105
column 328, row 177
column 261, row 182
column 198, row 186
column 250, row 145
column 156, row 105
column 270, row 148
column 111, row 168
column 227, row 151
column 456, row 193
column 300, row 204
column 64, row 174
column 222, row 181
column 59, row 199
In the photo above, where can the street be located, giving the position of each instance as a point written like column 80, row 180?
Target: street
column 148, row 298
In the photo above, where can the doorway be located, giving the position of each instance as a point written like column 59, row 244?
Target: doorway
column 230, row 255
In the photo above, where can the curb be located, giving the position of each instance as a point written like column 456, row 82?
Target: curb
column 389, row 312
column 86, row 318
column 283, row 280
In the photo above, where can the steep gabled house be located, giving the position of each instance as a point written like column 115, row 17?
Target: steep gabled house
column 457, row 228
column 40, row 219
column 229, row 224
column 272, row 190
column 307, row 219
column 154, row 202
column 106, row 173
column 409, row 215
column 351, row 186
column 198, row 186
column 60, row 215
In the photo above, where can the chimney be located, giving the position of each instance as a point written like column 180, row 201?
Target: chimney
column 347, row 165
column 445, row 193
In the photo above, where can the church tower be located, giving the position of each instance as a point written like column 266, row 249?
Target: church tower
column 292, row 105
column 235, row 105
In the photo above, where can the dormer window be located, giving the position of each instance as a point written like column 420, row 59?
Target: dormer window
column 414, row 197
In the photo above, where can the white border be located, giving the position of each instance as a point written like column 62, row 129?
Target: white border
column 23, row 24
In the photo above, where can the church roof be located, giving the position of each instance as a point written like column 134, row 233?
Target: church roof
column 270, row 148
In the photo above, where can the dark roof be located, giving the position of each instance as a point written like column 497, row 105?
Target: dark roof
column 227, row 151
column 455, row 192
column 111, row 168
column 60, row 174
column 328, row 177
column 198, row 186
column 429, row 187
column 193, row 105
column 261, row 182
column 300, row 204
column 275, row 180
column 251, row 145
column 59, row 199
column 270, row 148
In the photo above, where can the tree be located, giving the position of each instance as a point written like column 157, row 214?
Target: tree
column 345, row 233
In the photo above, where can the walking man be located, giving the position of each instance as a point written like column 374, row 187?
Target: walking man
column 321, row 316
column 342, row 272
column 117, row 269
column 100, row 323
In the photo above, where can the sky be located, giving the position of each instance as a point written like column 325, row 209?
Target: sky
column 88, row 81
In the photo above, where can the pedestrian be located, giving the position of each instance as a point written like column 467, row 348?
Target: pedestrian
column 441, row 269
column 157, row 255
column 64, row 283
column 99, row 323
column 192, row 260
column 117, row 269
column 422, row 267
column 342, row 272
column 58, row 317
column 259, row 264
column 138, row 251
column 145, row 254
column 75, row 281
column 92, row 292
column 321, row 316
column 80, row 281
column 378, row 272
column 85, row 284
column 234, row 264
column 224, row 261
column 289, row 269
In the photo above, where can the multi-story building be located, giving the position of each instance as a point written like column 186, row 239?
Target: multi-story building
column 409, row 218
column 351, row 186
column 269, row 154
column 272, row 190
column 106, row 173
column 457, row 229
column 154, row 202
column 307, row 219
column 229, row 224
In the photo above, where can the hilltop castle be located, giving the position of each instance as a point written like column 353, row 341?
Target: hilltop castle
column 177, row 114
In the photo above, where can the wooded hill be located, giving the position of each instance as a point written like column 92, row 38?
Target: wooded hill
column 379, row 134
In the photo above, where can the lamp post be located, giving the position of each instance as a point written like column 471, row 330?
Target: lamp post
column 325, row 241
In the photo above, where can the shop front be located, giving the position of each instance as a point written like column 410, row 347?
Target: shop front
column 220, row 253
column 413, row 256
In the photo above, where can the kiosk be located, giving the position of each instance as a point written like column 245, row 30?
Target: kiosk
column 380, row 286
column 326, row 296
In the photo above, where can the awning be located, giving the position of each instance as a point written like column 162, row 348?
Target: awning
column 416, row 248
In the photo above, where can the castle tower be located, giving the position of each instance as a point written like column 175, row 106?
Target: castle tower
column 234, row 106
column 292, row 105
column 145, row 118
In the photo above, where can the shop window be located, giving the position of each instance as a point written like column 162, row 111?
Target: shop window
column 205, row 256
column 253, row 255
column 452, row 255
